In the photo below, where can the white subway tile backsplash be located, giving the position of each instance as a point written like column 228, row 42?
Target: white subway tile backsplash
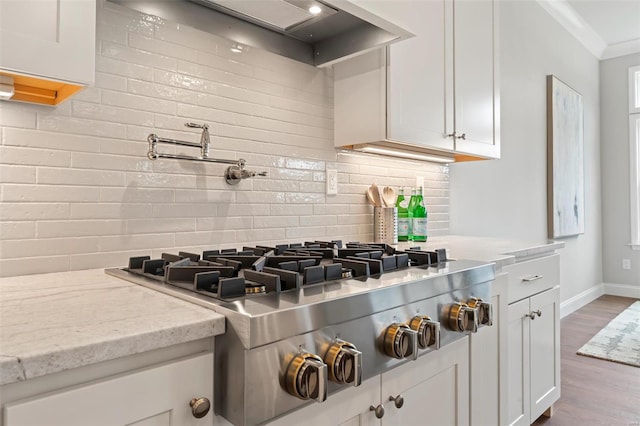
column 114, row 114
column 33, row 265
column 133, row 241
column 17, row 174
column 50, row 140
column 170, row 50
column 210, row 239
column 23, row 117
column 138, row 57
column 159, row 91
column 15, row 249
column 325, row 220
column 48, row 193
column 81, row 126
column 307, row 232
column 146, row 226
column 224, row 223
column 137, row 103
column 109, row 162
column 17, row 230
column 275, row 221
column 78, row 228
column 288, row 209
column 58, row 176
column 34, row 156
column 111, row 82
column 105, row 210
column 33, row 211
column 78, row 190
column 133, row 194
column 120, row 68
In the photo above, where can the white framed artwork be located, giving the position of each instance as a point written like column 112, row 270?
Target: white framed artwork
column 565, row 160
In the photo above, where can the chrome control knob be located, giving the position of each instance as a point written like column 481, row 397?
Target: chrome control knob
column 400, row 341
column 428, row 331
column 306, row 377
column 484, row 310
column 344, row 363
column 199, row 407
column 463, row 318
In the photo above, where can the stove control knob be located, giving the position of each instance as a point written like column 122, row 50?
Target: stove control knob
column 306, row 377
column 400, row 341
column 428, row 331
column 463, row 318
column 344, row 362
column 484, row 310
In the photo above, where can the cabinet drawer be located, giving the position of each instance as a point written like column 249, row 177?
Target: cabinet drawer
column 533, row 276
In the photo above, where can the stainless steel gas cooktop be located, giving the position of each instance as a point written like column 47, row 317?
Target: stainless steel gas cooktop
column 315, row 317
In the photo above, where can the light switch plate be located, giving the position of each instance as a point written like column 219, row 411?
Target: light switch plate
column 332, row 181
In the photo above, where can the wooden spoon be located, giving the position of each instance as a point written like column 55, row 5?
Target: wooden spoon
column 375, row 195
column 389, row 196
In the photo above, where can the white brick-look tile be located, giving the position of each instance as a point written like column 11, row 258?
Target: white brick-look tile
column 78, row 191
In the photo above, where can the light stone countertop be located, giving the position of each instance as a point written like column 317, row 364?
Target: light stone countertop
column 59, row 321
column 501, row 251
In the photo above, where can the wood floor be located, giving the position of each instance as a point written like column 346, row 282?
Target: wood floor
column 594, row 392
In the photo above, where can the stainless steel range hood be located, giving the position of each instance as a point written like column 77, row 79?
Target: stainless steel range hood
column 340, row 29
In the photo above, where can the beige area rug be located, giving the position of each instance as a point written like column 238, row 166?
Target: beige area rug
column 619, row 341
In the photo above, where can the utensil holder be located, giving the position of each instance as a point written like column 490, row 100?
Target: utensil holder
column 385, row 225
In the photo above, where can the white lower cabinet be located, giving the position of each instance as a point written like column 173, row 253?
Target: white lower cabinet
column 488, row 363
column 534, row 342
column 433, row 390
column 154, row 396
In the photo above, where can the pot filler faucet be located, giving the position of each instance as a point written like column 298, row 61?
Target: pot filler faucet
column 233, row 174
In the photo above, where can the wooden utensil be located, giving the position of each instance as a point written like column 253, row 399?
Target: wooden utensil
column 389, row 196
column 374, row 193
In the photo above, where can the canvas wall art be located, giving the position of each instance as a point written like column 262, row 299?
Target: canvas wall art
column 565, row 155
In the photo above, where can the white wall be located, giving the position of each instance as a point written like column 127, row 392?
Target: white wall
column 507, row 198
column 614, row 133
column 78, row 191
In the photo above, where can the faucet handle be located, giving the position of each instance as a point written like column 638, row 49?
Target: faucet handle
column 196, row 125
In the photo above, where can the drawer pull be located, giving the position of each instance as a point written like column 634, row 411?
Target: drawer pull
column 532, row 278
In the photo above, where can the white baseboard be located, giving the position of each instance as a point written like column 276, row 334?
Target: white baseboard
column 579, row 300
column 624, row 290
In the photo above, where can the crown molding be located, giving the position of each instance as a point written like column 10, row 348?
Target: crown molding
column 621, row 49
column 566, row 15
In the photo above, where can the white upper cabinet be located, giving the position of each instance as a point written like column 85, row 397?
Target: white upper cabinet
column 48, row 40
column 436, row 91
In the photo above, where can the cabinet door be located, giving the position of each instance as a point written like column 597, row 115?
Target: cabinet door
column 476, row 81
column 545, row 351
column 488, row 363
column 518, row 407
column 434, row 389
column 348, row 407
column 420, row 76
column 49, row 38
column 155, row 396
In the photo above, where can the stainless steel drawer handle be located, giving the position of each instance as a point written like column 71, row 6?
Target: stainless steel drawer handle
column 532, row 278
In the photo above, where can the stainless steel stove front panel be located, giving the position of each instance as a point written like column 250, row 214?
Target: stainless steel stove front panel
column 256, row 393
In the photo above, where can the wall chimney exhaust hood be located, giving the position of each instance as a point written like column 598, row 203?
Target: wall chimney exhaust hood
column 316, row 32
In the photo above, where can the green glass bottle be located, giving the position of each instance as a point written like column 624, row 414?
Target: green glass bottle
column 402, row 205
column 410, row 209
column 419, row 218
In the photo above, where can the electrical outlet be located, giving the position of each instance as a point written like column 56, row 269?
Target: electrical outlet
column 332, row 181
column 626, row 263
